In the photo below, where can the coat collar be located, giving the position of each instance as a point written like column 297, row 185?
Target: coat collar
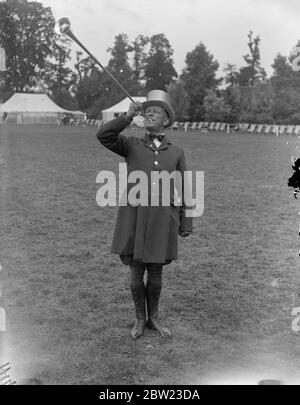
column 151, row 145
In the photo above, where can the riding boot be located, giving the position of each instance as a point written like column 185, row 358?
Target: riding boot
column 152, row 297
column 138, row 296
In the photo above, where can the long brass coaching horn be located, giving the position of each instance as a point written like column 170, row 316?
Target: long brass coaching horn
column 64, row 26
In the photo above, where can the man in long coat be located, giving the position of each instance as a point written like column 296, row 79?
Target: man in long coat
column 146, row 236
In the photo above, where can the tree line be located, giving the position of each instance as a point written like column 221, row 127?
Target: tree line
column 39, row 60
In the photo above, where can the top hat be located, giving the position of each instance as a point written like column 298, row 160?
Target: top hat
column 161, row 98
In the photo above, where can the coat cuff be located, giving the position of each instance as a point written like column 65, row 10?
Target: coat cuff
column 128, row 120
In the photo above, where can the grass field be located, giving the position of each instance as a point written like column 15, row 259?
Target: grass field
column 228, row 299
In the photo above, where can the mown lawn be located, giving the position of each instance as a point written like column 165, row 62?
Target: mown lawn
column 228, row 299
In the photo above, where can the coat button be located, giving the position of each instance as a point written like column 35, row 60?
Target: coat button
column 156, row 163
column 156, row 153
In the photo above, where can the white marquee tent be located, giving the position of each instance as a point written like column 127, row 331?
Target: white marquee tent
column 120, row 108
column 24, row 108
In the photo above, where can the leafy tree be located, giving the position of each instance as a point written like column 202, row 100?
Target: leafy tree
column 120, row 67
column 180, row 100
column 139, row 59
column 59, row 79
column 92, row 87
column 28, row 37
column 248, row 93
column 231, row 74
column 252, row 72
column 95, row 90
column 83, row 66
column 232, row 97
column 64, row 99
column 58, row 75
column 256, row 103
column 198, row 76
column 284, row 75
column 36, row 55
column 286, row 85
column 159, row 69
column 216, row 108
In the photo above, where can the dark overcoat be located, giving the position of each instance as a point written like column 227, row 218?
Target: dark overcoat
column 147, row 234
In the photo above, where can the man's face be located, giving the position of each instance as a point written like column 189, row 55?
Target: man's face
column 157, row 118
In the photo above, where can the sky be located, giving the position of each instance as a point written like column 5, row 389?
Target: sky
column 222, row 25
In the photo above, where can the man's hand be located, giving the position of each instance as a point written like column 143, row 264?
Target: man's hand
column 134, row 109
column 184, row 234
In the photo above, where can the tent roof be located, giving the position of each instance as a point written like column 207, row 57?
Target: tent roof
column 27, row 102
column 123, row 105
